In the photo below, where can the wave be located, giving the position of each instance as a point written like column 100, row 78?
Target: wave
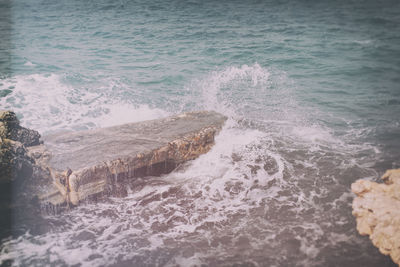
column 274, row 186
column 51, row 102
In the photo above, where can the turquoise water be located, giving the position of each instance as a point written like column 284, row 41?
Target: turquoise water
column 311, row 89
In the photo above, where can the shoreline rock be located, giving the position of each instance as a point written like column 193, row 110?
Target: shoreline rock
column 377, row 211
column 10, row 128
column 14, row 160
column 70, row 167
column 18, row 173
column 86, row 164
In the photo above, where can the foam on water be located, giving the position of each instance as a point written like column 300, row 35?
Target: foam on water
column 318, row 111
column 248, row 91
column 219, row 88
column 29, row 64
column 269, row 186
column 50, row 102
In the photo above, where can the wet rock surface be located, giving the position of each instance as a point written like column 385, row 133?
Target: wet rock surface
column 10, row 128
column 376, row 208
column 73, row 166
column 86, row 164
column 18, row 174
column 14, row 161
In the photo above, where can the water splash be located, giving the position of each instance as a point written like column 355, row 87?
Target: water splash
column 275, row 184
column 222, row 89
column 52, row 102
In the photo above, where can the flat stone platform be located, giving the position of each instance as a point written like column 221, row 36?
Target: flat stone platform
column 87, row 163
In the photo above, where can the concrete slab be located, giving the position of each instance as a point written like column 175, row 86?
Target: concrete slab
column 87, row 163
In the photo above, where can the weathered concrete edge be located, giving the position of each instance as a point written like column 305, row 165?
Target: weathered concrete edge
column 78, row 185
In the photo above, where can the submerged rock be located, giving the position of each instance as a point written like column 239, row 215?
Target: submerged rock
column 88, row 163
column 377, row 209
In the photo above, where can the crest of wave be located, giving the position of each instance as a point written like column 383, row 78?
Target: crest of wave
column 259, row 98
column 221, row 90
column 51, row 102
column 209, row 199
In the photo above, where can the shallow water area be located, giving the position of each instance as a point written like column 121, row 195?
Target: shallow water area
column 311, row 93
column 252, row 200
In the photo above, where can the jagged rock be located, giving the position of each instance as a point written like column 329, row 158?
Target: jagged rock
column 11, row 129
column 377, row 209
column 88, row 163
column 17, row 170
column 14, row 161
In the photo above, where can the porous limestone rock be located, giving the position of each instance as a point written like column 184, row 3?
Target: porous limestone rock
column 377, row 210
column 85, row 164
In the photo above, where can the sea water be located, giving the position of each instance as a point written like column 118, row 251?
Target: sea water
column 311, row 91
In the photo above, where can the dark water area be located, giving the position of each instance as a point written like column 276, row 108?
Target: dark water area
column 311, row 90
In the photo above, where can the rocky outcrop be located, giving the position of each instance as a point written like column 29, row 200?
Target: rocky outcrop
column 14, row 161
column 73, row 166
column 11, row 129
column 70, row 167
column 17, row 175
column 86, row 164
column 377, row 209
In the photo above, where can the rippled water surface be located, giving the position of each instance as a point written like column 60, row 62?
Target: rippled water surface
column 311, row 90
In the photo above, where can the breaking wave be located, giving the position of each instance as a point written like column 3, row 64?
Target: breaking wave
column 51, row 102
column 274, row 190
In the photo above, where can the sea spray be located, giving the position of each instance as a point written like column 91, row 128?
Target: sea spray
column 259, row 190
column 51, row 103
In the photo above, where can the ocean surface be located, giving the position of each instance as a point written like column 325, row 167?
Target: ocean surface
column 311, row 90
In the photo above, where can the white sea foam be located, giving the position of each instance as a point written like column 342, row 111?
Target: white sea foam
column 219, row 88
column 263, row 96
column 363, row 42
column 29, row 64
column 49, row 103
column 314, row 134
column 264, row 186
